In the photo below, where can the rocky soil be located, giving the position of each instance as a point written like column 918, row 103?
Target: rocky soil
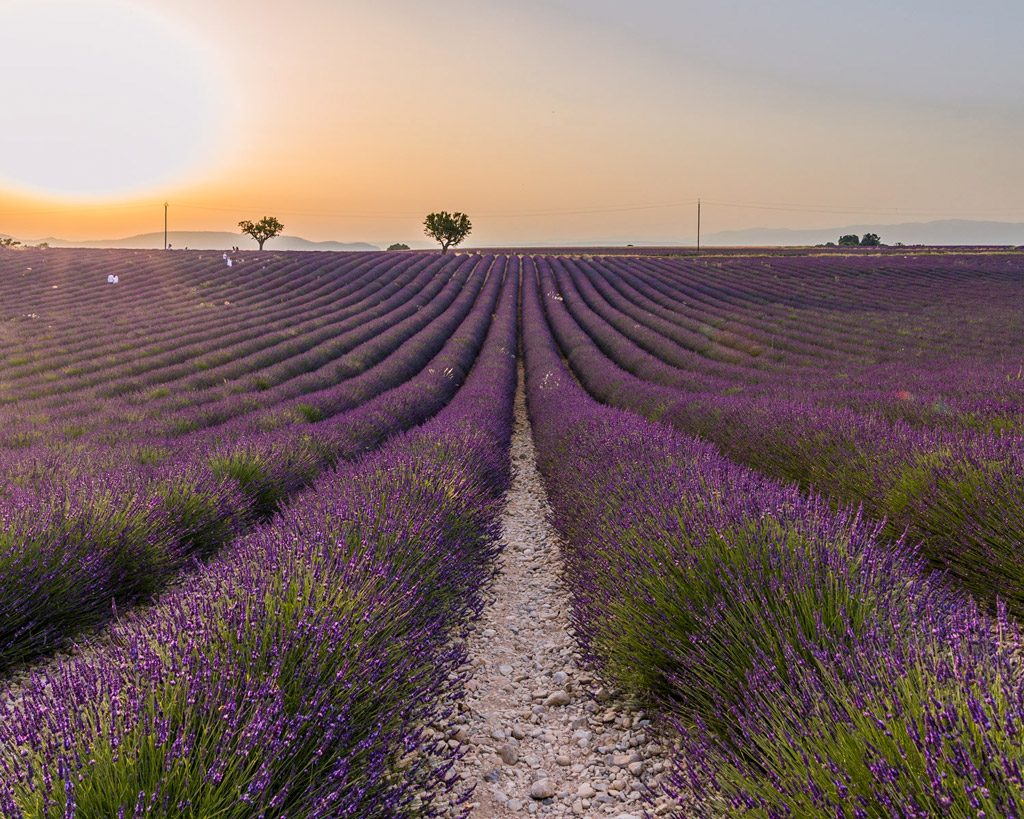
column 541, row 737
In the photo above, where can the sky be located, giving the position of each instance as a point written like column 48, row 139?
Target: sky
column 546, row 121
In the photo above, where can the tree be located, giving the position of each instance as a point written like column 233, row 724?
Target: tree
column 447, row 228
column 266, row 228
column 870, row 240
column 849, row 240
column 398, row 246
column 9, row 242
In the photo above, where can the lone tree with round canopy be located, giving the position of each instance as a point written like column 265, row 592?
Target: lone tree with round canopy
column 447, row 228
column 266, row 228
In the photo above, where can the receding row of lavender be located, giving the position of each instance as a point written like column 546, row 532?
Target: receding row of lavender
column 108, row 518
column 294, row 673
column 894, row 385
column 250, row 428
column 810, row 666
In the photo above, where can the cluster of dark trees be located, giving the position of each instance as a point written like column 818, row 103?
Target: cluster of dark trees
column 852, row 240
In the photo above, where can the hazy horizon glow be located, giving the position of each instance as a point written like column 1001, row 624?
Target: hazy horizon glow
column 113, row 100
column 546, row 120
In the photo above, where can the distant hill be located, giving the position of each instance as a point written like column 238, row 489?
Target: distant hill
column 207, row 240
column 943, row 232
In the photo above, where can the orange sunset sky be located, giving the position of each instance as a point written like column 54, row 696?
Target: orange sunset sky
column 544, row 120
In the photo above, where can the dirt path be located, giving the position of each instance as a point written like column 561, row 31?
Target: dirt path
column 542, row 739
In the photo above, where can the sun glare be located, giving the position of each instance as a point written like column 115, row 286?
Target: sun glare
column 103, row 98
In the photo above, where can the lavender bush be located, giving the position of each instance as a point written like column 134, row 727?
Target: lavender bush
column 956, row 491
column 94, row 551
column 810, row 667
column 297, row 674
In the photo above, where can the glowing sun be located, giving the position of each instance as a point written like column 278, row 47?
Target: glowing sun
column 103, row 98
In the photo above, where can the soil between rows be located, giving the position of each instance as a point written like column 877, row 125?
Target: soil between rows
column 542, row 736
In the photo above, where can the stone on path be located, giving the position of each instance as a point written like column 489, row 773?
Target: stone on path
column 540, row 736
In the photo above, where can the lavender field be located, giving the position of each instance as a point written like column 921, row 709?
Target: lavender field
column 251, row 511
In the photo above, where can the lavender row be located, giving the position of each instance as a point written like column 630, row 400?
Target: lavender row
column 903, row 330
column 76, row 294
column 981, row 397
column 721, row 346
column 357, row 374
column 192, row 414
column 296, row 678
column 893, row 332
column 91, row 319
column 204, row 360
column 121, row 534
column 757, row 314
column 150, row 445
column 960, row 495
column 806, row 666
column 291, row 370
column 309, row 320
column 89, row 400
column 849, row 336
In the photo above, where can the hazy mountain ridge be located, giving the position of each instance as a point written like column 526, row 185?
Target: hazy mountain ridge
column 940, row 232
column 206, row 240
column 935, row 233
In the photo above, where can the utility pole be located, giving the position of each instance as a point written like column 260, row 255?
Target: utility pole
column 698, row 225
column 165, row 226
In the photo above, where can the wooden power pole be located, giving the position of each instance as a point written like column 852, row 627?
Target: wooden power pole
column 698, row 225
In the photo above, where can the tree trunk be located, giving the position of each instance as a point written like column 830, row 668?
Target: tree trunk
column 261, row 241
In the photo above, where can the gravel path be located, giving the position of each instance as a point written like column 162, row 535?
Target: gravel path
column 540, row 736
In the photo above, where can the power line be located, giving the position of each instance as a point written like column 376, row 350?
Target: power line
column 568, row 211
column 573, row 211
